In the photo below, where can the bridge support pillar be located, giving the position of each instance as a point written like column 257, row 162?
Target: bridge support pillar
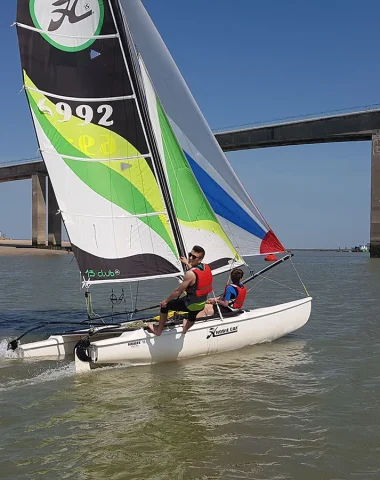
column 38, row 209
column 375, row 197
column 54, row 220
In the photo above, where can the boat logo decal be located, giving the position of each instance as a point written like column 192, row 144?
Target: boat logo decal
column 217, row 332
column 63, row 21
column 102, row 274
column 69, row 12
column 136, row 343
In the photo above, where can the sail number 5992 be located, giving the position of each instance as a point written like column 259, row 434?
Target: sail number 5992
column 85, row 112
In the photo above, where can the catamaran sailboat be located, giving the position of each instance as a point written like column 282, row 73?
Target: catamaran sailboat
column 139, row 178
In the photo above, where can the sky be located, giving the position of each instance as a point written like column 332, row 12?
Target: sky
column 250, row 62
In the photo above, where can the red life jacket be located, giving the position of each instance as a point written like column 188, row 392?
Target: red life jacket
column 203, row 283
column 197, row 294
column 241, row 293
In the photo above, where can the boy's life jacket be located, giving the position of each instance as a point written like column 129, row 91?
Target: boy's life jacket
column 241, row 292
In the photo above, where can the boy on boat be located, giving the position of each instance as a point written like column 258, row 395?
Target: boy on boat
column 232, row 299
column 197, row 283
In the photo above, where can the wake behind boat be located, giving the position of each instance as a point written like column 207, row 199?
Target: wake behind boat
column 138, row 175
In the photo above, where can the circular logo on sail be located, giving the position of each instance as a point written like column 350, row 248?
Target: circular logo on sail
column 68, row 24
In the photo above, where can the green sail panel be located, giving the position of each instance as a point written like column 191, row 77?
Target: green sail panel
column 78, row 80
column 198, row 222
column 195, row 215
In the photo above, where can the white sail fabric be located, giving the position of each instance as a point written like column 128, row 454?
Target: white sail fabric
column 197, row 221
column 223, row 189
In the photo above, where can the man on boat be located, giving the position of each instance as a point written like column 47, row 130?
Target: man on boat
column 197, row 283
column 232, row 299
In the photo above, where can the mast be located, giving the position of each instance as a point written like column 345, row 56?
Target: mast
column 135, row 77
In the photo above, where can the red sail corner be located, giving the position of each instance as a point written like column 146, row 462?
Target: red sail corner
column 270, row 243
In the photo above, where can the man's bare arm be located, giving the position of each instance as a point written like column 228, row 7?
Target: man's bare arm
column 188, row 278
column 219, row 301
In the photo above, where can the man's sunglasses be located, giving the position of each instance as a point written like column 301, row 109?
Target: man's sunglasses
column 191, row 255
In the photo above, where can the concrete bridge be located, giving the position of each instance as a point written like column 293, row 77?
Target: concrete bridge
column 36, row 170
column 347, row 127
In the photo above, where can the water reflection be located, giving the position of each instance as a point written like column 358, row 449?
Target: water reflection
column 171, row 421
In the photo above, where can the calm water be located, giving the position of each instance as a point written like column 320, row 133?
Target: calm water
column 305, row 407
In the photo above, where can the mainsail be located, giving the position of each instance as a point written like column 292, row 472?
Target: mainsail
column 239, row 216
column 127, row 194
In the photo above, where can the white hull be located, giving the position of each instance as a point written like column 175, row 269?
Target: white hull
column 56, row 345
column 205, row 337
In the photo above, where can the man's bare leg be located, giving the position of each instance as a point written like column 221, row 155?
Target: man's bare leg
column 157, row 329
column 186, row 325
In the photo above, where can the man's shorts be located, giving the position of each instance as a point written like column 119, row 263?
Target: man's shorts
column 178, row 305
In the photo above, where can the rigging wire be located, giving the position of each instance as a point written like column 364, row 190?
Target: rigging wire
column 124, row 313
column 304, row 286
column 13, row 344
column 137, row 293
column 274, row 281
column 255, row 275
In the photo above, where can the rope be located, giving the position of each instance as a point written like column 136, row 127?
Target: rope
column 132, row 307
column 281, row 284
column 274, row 281
column 217, row 306
column 12, row 345
column 307, row 293
column 90, row 311
column 255, row 285
column 127, row 313
column 137, row 293
column 115, row 301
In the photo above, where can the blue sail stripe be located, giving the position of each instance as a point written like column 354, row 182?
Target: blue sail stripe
column 222, row 203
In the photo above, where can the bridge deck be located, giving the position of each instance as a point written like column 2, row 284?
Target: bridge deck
column 355, row 126
column 348, row 127
column 21, row 171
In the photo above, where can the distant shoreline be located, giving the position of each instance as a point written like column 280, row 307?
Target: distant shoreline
column 9, row 247
column 24, row 247
column 348, row 250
